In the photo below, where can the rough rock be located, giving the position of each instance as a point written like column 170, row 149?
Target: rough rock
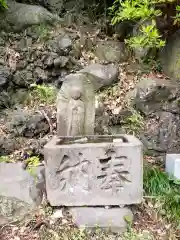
column 54, row 5
column 101, row 75
column 5, row 99
column 39, row 73
column 161, row 133
column 123, row 29
column 20, row 192
column 12, row 209
column 49, row 59
column 158, row 101
column 19, row 16
column 169, row 57
column 150, row 94
column 8, row 145
column 61, row 44
column 61, row 61
column 111, row 51
column 4, row 76
column 24, row 123
column 23, row 78
column 109, row 219
column 12, row 96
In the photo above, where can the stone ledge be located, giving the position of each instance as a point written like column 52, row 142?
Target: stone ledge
column 108, row 219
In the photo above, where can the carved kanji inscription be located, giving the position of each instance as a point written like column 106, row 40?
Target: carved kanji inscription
column 72, row 173
column 113, row 176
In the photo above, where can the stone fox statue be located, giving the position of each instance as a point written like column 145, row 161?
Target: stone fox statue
column 76, row 107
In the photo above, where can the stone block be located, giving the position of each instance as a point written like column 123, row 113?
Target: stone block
column 113, row 219
column 94, row 171
column 173, row 165
column 17, row 183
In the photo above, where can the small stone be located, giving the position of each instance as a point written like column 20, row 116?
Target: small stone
column 40, row 73
column 64, row 221
column 64, row 42
column 60, row 61
column 107, row 207
column 57, row 214
column 117, row 140
column 81, row 140
column 4, row 75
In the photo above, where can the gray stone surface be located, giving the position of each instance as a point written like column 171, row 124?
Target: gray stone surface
column 62, row 43
column 161, row 132
column 20, row 184
column 158, row 100
column 109, row 219
column 19, row 16
column 96, row 172
column 169, row 57
column 101, row 75
column 173, row 165
column 150, row 94
column 24, row 123
column 76, row 114
column 111, row 51
column 55, row 5
column 4, row 75
column 12, row 209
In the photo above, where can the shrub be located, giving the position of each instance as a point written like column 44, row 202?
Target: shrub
column 3, row 4
column 138, row 10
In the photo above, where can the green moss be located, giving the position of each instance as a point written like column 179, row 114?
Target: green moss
column 32, row 162
column 133, row 123
column 6, row 159
column 42, row 94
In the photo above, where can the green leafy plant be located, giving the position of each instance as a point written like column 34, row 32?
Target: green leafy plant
column 149, row 38
column 43, row 31
column 138, row 10
column 134, row 123
column 6, row 159
column 134, row 235
column 133, row 10
column 177, row 17
column 3, row 4
column 42, row 94
column 32, row 162
column 165, row 192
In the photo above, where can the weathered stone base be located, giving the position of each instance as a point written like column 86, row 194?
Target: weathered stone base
column 112, row 219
